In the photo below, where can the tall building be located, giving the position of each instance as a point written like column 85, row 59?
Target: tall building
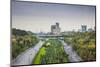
column 55, row 29
column 84, row 28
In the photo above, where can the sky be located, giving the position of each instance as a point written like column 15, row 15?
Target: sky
column 38, row 17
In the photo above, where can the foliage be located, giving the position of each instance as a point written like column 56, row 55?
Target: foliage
column 54, row 53
column 19, row 32
column 84, row 44
column 21, row 41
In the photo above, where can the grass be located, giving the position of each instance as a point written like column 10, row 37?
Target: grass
column 52, row 51
column 39, row 56
column 55, row 52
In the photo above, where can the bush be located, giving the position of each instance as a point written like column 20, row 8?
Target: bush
column 54, row 53
column 84, row 44
column 21, row 41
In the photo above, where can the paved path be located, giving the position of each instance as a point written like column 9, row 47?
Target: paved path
column 73, row 57
column 27, row 57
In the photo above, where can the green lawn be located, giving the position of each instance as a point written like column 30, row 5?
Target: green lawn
column 39, row 56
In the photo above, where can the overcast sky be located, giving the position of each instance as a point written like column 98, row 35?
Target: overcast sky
column 37, row 17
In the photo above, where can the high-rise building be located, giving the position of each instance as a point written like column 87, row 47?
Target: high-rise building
column 55, row 29
column 83, row 28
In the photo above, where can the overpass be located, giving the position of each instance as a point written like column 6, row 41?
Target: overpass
column 50, row 36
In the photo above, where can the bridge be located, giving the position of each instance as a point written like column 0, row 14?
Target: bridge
column 50, row 37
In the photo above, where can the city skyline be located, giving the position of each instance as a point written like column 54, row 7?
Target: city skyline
column 38, row 17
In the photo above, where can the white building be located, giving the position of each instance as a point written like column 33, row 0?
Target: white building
column 83, row 28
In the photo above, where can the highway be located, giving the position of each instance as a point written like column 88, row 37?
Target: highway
column 72, row 55
column 27, row 57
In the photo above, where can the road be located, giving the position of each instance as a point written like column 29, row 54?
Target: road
column 27, row 57
column 72, row 55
